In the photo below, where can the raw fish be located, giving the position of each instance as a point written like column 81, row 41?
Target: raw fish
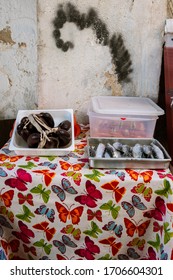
column 137, row 151
column 157, row 151
column 147, row 149
column 112, row 151
column 127, row 152
column 106, row 155
column 92, row 151
column 100, row 150
column 118, row 146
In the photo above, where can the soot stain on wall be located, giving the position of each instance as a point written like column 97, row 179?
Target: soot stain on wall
column 120, row 55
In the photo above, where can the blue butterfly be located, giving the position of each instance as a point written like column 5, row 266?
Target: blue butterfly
column 43, row 210
column 112, row 226
column 136, row 202
column 2, row 255
column 131, row 254
column 61, row 245
column 66, row 186
column 163, row 255
column 2, row 173
column 52, row 166
column 67, row 157
column 120, row 174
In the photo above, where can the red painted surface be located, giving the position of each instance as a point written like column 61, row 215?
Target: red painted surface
column 168, row 70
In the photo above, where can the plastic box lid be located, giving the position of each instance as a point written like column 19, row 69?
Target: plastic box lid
column 125, row 105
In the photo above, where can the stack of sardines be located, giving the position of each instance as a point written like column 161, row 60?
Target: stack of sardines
column 123, row 152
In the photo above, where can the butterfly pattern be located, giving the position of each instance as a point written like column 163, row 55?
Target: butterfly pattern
column 48, row 175
column 43, row 210
column 117, row 191
column 24, row 234
column 59, row 208
column 159, row 210
column 90, row 198
column 27, row 198
column 44, row 226
column 70, row 229
column 131, row 255
column 13, row 245
column 20, row 181
column 65, row 187
column 111, row 242
column 130, row 207
column 146, row 176
column 90, row 250
column 7, row 197
column 67, row 214
column 61, row 245
column 3, row 173
column 132, row 228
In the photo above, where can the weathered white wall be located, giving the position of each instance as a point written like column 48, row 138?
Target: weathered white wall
column 18, row 56
column 69, row 79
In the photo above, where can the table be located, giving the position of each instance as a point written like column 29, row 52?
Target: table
column 59, row 208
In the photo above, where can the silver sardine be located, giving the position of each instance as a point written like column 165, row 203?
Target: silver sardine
column 100, row 150
column 137, row 151
column 157, row 151
column 92, row 151
column 148, row 152
column 106, row 155
column 118, row 146
column 112, row 151
column 127, row 151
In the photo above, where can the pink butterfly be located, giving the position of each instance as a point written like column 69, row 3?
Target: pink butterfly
column 31, row 249
column 157, row 227
column 28, row 158
column 159, row 211
column 152, row 255
column 90, row 198
column 20, row 181
column 24, row 234
column 162, row 175
column 89, row 251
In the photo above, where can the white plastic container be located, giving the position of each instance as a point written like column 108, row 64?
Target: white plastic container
column 123, row 117
column 19, row 146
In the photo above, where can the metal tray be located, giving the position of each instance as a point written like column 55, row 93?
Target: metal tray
column 137, row 163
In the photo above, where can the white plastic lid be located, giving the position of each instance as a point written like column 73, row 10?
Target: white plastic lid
column 125, row 105
column 169, row 25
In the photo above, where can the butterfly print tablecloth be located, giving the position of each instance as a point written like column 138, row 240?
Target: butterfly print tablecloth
column 59, row 208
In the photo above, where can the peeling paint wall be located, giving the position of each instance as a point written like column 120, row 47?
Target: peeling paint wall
column 69, row 79
column 18, row 56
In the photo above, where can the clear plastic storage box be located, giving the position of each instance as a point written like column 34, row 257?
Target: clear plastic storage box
column 123, row 117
